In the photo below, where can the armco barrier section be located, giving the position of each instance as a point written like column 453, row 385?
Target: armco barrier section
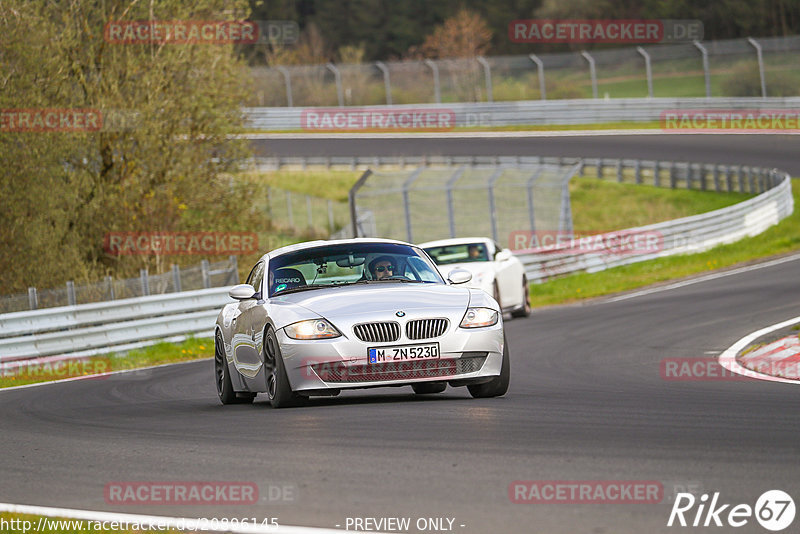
column 529, row 112
column 123, row 324
column 102, row 327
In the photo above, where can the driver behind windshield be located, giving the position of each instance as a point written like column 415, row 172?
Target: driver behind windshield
column 382, row 268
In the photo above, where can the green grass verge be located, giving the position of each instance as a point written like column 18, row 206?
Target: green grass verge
column 780, row 239
column 160, row 353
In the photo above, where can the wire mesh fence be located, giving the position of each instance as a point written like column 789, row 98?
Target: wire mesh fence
column 203, row 276
column 733, row 67
column 429, row 203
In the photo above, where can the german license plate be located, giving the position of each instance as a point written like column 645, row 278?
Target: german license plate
column 404, row 353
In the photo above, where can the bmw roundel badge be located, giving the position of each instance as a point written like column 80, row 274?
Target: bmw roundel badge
column 400, row 313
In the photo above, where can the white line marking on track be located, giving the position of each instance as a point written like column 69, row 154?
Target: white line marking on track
column 491, row 134
column 728, row 358
column 180, row 523
column 712, row 276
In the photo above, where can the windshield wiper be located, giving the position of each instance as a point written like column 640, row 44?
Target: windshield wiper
column 300, row 288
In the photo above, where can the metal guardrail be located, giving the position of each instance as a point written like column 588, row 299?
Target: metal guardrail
column 534, row 112
column 123, row 324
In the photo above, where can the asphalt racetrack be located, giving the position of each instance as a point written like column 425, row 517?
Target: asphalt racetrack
column 587, row 401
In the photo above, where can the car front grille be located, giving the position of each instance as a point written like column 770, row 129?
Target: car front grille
column 377, row 332
column 426, row 328
column 339, row 372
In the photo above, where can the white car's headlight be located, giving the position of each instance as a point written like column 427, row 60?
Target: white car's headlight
column 312, row 329
column 477, row 317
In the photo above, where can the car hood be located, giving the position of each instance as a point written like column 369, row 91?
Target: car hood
column 378, row 299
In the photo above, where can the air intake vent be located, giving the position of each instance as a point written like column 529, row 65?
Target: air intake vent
column 426, row 328
column 377, row 332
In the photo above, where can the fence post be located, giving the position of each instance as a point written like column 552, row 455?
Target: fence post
column 637, row 171
column 269, row 202
column 308, row 212
column 234, row 278
column 33, row 298
column 648, row 70
column 338, row 77
column 143, row 278
column 70, row 293
column 592, row 72
column 436, row 88
column 288, row 80
column 531, row 211
column 673, row 179
column 706, row 71
column 657, row 174
column 386, row 82
column 330, row 215
column 351, row 197
column 619, row 171
column 204, row 268
column 760, row 56
column 728, row 178
column 110, row 283
column 289, row 208
column 492, row 208
column 451, row 215
column 406, row 206
column 540, row 73
column 176, row 277
column 487, row 72
column 740, row 177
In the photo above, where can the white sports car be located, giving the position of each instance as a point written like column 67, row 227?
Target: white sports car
column 494, row 269
column 318, row 317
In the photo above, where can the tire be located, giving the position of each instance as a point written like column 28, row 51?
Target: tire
column 223, row 378
column 525, row 309
column 279, row 391
column 498, row 386
column 429, row 388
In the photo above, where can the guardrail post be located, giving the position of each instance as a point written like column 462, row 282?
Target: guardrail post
column 176, row 277
column 703, row 177
column 716, row 178
column 386, row 82
column 540, row 75
column 706, row 70
column 740, row 177
column 760, row 56
column 289, row 208
column 751, row 180
column 728, row 178
column 689, row 175
column 406, row 205
column 648, row 70
column 437, row 92
column 487, row 72
column 451, row 215
column 657, row 174
column 592, row 72
column 204, row 268
column 637, row 170
column 234, row 277
column 673, row 178
column 288, row 81
column 33, row 298
column 110, row 283
column 492, row 208
column 308, row 212
column 338, row 77
column 71, row 293
column 145, row 281
column 330, row 215
column 599, row 168
column 619, row 171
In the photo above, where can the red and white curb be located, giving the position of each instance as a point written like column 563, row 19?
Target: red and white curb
column 773, row 353
column 779, row 358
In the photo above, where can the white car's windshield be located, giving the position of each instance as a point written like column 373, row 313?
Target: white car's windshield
column 349, row 263
column 463, row 253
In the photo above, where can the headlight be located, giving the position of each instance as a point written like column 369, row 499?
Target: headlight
column 477, row 317
column 312, row 329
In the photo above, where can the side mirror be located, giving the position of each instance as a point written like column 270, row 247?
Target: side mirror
column 242, row 292
column 503, row 255
column 459, row 276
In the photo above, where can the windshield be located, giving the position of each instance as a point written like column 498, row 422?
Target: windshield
column 350, row 263
column 464, row 253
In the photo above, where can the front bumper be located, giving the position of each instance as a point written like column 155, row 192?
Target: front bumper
column 465, row 356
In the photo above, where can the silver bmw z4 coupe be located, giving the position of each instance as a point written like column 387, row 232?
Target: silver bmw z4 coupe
column 322, row 316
